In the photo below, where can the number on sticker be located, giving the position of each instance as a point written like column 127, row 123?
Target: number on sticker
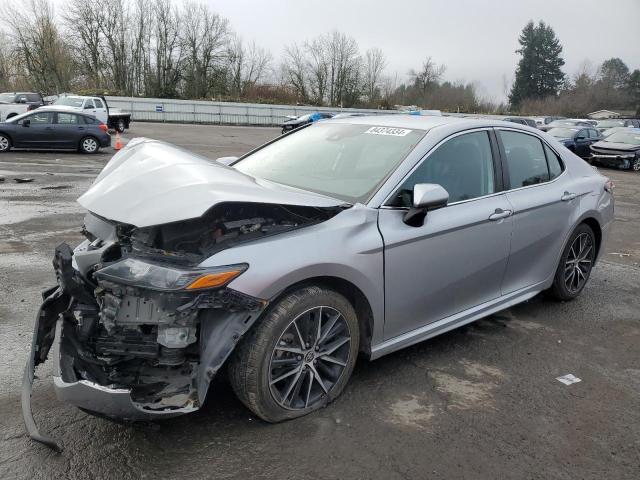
column 396, row 132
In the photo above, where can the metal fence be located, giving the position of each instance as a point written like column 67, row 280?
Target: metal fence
column 223, row 113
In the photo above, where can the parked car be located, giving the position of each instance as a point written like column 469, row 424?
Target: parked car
column 98, row 107
column 304, row 120
column 541, row 121
column 611, row 131
column 522, row 121
column 351, row 114
column 568, row 122
column 603, row 125
column 577, row 139
column 54, row 129
column 355, row 236
column 621, row 150
column 15, row 103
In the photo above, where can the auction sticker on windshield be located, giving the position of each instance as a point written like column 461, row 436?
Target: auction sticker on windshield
column 396, row 132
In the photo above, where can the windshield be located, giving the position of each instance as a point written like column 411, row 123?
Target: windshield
column 7, row 97
column 610, row 123
column 69, row 101
column 340, row 160
column 563, row 132
column 630, row 138
column 17, row 118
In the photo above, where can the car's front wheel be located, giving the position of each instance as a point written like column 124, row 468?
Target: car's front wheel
column 635, row 165
column 299, row 357
column 89, row 145
column 5, row 143
column 576, row 263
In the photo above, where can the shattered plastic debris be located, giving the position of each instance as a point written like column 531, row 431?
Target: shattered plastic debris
column 23, row 180
column 568, row 379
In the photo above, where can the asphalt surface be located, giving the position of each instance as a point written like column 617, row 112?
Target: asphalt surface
column 481, row 402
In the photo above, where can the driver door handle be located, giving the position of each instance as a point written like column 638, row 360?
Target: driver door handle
column 567, row 196
column 499, row 214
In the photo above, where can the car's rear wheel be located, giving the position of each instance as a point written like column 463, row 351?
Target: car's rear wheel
column 120, row 125
column 575, row 265
column 636, row 165
column 5, row 143
column 89, row 145
column 299, row 357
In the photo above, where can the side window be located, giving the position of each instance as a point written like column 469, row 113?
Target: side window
column 462, row 165
column 594, row 133
column 33, row 97
column 41, row 118
column 525, row 159
column 554, row 162
column 98, row 103
column 67, row 119
column 583, row 133
column 88, row 120
column 21, row 98
column 89, row 104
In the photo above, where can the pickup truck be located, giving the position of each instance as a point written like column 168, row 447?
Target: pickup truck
column 15, row 103
column 96, row 106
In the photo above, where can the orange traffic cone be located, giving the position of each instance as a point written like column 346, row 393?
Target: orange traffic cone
column 118, row 141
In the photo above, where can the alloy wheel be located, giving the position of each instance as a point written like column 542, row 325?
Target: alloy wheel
column 579, row 262
column 636, row 165
column 4, row 143
column 89, row 145
column 309, row 358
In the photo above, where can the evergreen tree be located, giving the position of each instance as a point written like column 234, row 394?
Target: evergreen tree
column 633, row 87
column 539, row 73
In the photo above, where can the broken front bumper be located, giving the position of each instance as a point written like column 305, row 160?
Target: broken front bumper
column 88, row 368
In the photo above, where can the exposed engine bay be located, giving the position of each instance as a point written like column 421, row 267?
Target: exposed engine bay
column 223, row 226
column 131, row 312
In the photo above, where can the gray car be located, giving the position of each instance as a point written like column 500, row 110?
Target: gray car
column 346, row 238
column 54, row 129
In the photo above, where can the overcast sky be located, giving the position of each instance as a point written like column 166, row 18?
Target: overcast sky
column 475, row 39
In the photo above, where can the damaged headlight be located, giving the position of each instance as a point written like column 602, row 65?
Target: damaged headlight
column 160, row 277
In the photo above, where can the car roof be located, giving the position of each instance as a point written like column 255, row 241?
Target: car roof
column 426, row 122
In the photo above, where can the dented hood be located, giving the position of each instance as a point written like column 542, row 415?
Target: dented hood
column 151, row 182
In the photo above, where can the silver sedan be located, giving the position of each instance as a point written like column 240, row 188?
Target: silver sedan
column 345, row 238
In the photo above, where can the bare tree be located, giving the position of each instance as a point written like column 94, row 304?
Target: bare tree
column 294, row 68
column 317, row 64
column 83, row 24
column 38, row 45
column 344, row 62
column 374, row 64
column 113, row 21
column 428, row 75
column 166, row 50
column 204, row 42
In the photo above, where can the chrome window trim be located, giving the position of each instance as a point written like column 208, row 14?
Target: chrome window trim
column 426, row 156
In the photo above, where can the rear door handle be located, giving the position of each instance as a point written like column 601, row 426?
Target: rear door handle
column 567, row 196
column 499, row 214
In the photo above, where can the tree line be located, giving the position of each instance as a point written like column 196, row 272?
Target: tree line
column 184, row 49
column 166, row 49
column 541, row 87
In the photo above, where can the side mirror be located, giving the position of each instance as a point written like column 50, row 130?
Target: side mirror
column 26, row 122
column 226, row 160
column 425, row 197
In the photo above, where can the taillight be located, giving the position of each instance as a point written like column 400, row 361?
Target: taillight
column 103, row 127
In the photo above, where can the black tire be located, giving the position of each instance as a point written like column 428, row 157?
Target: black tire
column 11, row 115
column 5, row 143
column 120, row 125
column 575, row 264
column 89, row 145
column 635, row 165
column 252, row 370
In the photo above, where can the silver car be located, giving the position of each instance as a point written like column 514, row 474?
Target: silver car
column 346, row 238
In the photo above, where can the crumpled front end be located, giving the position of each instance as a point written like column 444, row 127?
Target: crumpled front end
column 134, row 335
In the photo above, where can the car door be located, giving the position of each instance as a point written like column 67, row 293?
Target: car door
column 35, row 131
column 540, row 195
column 582, row 142
column 456, row 259
column 89, row 107
column 101, row 112
column 69, row 129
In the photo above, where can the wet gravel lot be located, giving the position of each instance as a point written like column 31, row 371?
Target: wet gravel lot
column 478, row 402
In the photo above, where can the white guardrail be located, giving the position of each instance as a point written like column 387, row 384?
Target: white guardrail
column 223, row 113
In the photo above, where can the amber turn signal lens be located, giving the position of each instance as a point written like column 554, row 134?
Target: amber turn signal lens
column 213, row 280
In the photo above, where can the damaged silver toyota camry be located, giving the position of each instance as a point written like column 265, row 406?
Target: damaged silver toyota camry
column 349, row 237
